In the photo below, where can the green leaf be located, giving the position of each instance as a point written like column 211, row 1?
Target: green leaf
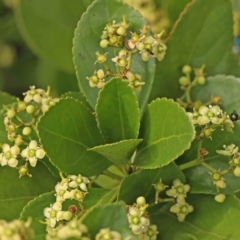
column 141, row 183
column 99, row 196
column 196, row 44
column 210, row 220
column 80, row 96
column 119, row 153
column 167, row 133
column 112, row 216
column 66, row 131
column 34, row 209
column 86, row 44
column 117, row 111
column 53, row 42
column 15, row 193
column 6, row 99
column 3, row 132
column 198, row 177
column 52, row 169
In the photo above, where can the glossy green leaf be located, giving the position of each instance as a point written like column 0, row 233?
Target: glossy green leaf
column 99, row 196
column 117, row 111
column 66, row 131
column 15, row 193
column 52, row 169
column 167, row 133
column 198, row 177
column 208, row 41
column 3, row 132
column 48, row 28
column 112, row 216
column 34, row 209
column 86, row 44
column 210, row 220
column 120, row 152
column 78, row 95
column 6, row 99
column 141, row 183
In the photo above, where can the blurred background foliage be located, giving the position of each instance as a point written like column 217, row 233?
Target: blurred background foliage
column 36, row 39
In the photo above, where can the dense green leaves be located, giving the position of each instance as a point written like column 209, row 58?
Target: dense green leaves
column 208, row 41
column 66, row 131
column 167, row 133
column 117, row 111
column 15, row 193
column 48, row 28
column 6, row 99
column 34, row 209
column 112, row 216
column 86, row 44
column 209, row 220
column 198, row 177
column 120, row 152
column 140, row 183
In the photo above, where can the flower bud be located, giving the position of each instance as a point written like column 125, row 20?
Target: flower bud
column 18, row 140
column 236, row 171
column 23, row 170
column 201, row 80
column 101, row 58
column 220, row 197
column 141, row 201
column 186, row 69
column 104, row 43
column 26, row 131
column 30, row 109
column 11, row 113
column 21, row 105
column 121, row 31
column 184, row 81
column 11, row 128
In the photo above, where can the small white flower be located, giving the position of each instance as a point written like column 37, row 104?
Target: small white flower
column 32, row 153
column 47, row 102
column 9, row 155
column 33, row 94
column 78, row 181
column 53, row 213
column 62, row 192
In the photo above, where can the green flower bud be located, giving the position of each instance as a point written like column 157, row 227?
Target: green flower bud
column 18, row 140
column 201, row 80
column 26, row 131
column 186, row 69
column 104, row 43
column 101, row 58
column 121, row 31
column 30, row 109
column 236, row 171
column 11, row 128
column 21, row 105
column 220, row 197
column 11, row 113
column 23, row 170
column 145, row 56
column 113, row 39
column 184, row 81
column 141, row 201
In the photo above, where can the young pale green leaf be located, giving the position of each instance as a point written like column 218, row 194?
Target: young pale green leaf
column 198, row 177
column 120, row 152
column 6, row 99
column 80, row 96
column 53, row 42
column 86, row 44
column 117, row 111
column 66, row 131
column 210, row 220
column 15, row 193
column 99, row 196
column 141, row 183
column 208, row 41
column 167, row 133
column 34, row 209
column 112, row 216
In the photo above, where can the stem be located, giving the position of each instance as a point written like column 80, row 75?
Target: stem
column 199, row 147
column 208, row 167
column 190, row 164
column 114, row 195
column 224, row 172
column 106, row 66
column 130, row 60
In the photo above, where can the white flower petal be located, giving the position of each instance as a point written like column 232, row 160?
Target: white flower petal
column 33, row 145
column 72, row 184
column 203, row 110
column 57, row 206
column 13, row 162
column 33, row 161
column 53, row 222
column 24, row 153
column 5, row 147
column 46, row 212
column 15, row 150
column 40, row 153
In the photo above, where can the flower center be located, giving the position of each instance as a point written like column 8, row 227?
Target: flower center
column 31, row 152
column 180, row 189
column 7, row 155
column 135, row 220
column 53, row 214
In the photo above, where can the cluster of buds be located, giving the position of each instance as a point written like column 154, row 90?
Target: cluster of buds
column 210, row 117
column 72, row 187
column 139, row 221
column 72, row 229
column 114, row 33
column 179, row 191
column 106, row 233
column 16, row 229
column 185, row 81
column 35, row 102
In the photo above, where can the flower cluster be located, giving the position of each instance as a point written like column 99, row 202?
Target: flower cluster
column 115, row 35
column 72, row 229
column 106, row 233
column 16, row 230
column 139, row 221
column 72, row 187
column 20, row 120
column 179, row 191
